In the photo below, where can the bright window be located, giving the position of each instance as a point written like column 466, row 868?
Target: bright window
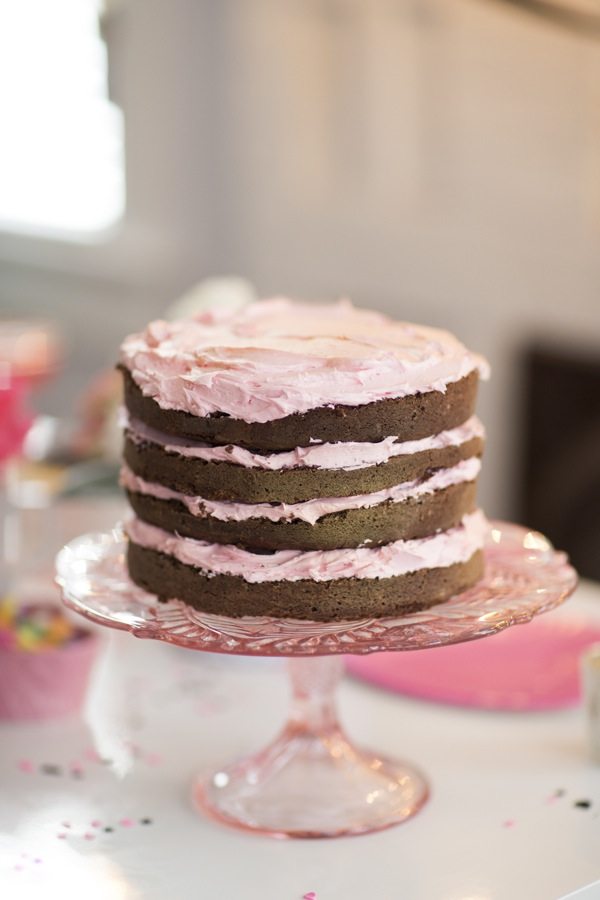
column 61, row 139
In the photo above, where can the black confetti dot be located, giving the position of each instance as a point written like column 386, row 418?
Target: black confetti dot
column 108, row 828
column 560, row 792
column 50, row 769
column 146, row 821
column 583, row 804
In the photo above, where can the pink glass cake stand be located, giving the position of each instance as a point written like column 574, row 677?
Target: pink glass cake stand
column 312, row 781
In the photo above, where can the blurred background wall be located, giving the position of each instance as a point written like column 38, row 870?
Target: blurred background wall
column 438, row 159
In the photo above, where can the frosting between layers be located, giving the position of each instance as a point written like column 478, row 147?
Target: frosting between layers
column 398, row 558
column 349, row 455
column 275, row 358
column 309, row 510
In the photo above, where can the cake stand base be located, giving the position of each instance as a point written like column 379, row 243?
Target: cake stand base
column 311, row 781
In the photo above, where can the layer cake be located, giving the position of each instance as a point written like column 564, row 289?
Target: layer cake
column 303, row 461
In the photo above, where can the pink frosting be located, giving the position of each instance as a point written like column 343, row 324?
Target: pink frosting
column 273, row 358
column 441, row 550
column 310, row 510
column 347, row 456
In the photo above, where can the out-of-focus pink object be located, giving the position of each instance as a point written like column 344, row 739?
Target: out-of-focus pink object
column 30, row 352
column 30, row 349
column 14, row 417
column 532, row 668
column 47, row 683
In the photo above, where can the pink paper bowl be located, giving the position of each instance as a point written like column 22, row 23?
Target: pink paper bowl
column 47, row 683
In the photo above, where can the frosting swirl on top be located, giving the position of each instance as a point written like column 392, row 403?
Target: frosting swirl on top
column 274, row 358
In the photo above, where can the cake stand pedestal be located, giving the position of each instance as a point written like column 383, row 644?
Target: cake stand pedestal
column 312, row 781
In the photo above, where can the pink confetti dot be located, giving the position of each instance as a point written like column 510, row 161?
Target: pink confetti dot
column 92, row 755
column 25, row 765
column 61, row 835
column 310, row 896
column 88, row 836
column 153, row 759
column 96, row 823
column 509, row 823
column 38, row 860
column 127, row 823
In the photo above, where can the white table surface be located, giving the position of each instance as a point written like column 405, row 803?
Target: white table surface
column 156, row 715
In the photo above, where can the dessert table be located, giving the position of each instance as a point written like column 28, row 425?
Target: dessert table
column 99, row 807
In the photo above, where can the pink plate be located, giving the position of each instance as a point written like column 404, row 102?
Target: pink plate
column 531, row 668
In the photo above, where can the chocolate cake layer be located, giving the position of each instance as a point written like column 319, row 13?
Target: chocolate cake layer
column 416, row 517
column 409, row 418
column 343, row 598
column 225, row 481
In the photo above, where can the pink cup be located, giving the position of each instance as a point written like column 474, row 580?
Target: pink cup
column 46, row 683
